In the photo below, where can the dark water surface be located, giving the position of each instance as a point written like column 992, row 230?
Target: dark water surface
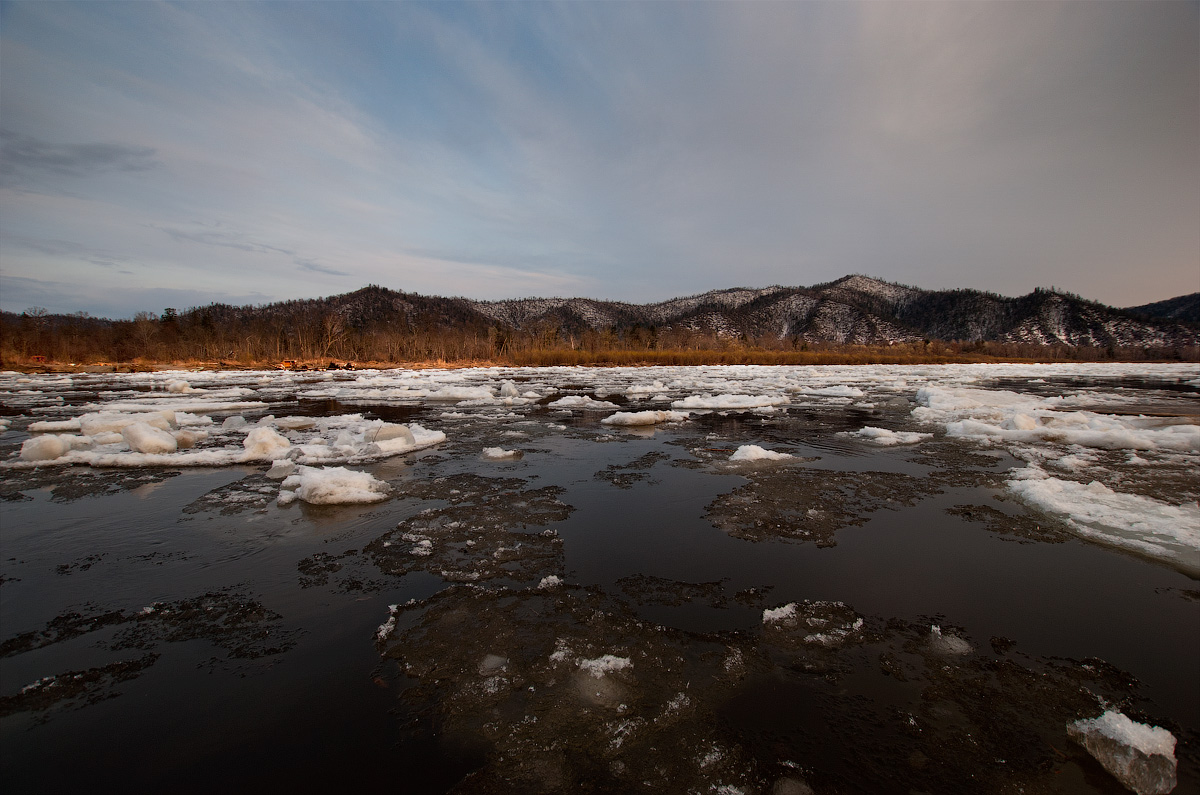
column 257, row 666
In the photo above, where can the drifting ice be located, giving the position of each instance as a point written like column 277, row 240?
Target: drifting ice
column 1141, row 757
column 331, row 486
column 752, row 452
column 636, row 418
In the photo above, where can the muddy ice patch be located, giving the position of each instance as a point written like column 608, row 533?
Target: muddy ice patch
column 78, row 688
column 624, row 476
column 811, row 505
column 568, row 690
column 492, row 528
column 237, row 624
column 69, row 483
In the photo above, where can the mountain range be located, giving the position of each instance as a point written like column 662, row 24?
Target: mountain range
column 854, row 309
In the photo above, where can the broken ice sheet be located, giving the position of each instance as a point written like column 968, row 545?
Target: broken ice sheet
column 1141, row 757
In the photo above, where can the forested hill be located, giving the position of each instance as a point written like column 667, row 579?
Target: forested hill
column 381, row 324
column 1185, row 308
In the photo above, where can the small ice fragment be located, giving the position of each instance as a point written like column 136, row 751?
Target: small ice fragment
column 606, row 664
column 500, row 454
column 281, row 469
column 883, row 436
column 296, row 423
column 186, row 440
column 777, row 615
column 948, row 644
column 582, row 402
column 492, row 663
column 1141, row 757
column 236, row 421
column 509, row 390
column 752, row 452
column 636, row 418
column 179, row 387
column 550, row 581
column 385, row 629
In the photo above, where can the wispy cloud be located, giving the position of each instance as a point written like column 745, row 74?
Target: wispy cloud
column 24, row 158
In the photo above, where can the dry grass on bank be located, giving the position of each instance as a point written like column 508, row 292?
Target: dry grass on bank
column 557, row 357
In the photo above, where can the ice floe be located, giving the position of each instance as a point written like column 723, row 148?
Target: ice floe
column 500, row 454
column 752, row 452
column 606, row 664
column 1096, row 512
column 726, row 402
column 1141, row 757
column 638, row 418
column 885, row 437
column 169, row 438
column 332, row 486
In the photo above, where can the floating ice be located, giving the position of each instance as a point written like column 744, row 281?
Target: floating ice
column 332, row 486
column 388, row 627
column 948, row 644
column 1096, row 512
column 143, row 438
column 605, row 665
column 500, row 454
column 265, row 444
column 999, row 415
column 752, row 452
column 44, row 448
column 780, row 615
column 582, row 402
column 1141, row 757
column 883, row 436
column 637, row 418
column 550, row 581
column 707, row 401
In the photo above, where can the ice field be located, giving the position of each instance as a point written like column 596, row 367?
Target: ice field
column 693, row 579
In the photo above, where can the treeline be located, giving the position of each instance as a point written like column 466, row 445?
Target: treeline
column 315, row 333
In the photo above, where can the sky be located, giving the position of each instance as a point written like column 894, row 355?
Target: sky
column 159, row 155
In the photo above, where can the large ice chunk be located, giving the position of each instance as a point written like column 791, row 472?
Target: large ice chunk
column 265, row 443
column 331, row 486
column 1141, row 757
column 1096, row 512
column 143, row 438
column 43, row 448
